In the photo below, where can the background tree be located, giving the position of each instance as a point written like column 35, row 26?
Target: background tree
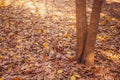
column 86, row 37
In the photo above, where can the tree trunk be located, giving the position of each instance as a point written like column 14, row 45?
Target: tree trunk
column 81, row 23
column 88, row 56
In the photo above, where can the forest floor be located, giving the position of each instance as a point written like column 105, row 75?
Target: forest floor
column 38, row 41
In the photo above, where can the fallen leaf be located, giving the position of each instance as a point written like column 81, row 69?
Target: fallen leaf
column 1, row 79
column 20, row 40
column 18, row 46
column 14, row 56
column 45, row 45
column 102, row 15
column 72, row 77
column 95, row 70
column 17, row 78
column 31, row 65
column 112, row 27
column 103, row 22
column 118, row 56
column 2, row 57
column 70, row 55
column 110, row 51
column 59, row 71
column 36, row 43
column 45, row 58
column 1, row 38
column 100, row 38
column 110, row 18
column 77, row 75
column 67, row 35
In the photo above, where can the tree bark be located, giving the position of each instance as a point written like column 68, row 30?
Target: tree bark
column 88, row 56
column 81, row 24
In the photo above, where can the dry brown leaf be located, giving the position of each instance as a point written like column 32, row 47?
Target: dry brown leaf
column 1, row 38
column 95, row 70
column 45, row 58
column 17, row 78
column 2, row 57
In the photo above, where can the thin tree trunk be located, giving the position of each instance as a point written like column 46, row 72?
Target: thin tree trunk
column 88, row 57
column 81, row 23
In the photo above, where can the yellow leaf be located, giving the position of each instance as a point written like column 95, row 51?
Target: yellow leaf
column 112, row 27
column 14, row 56
column 67, row 35
column 118, row 56
column 103, row 15
column 59, row 71
column 110, row 18
column 103, row 22
column 39, row 30
column 45, row 44
column 110, row 51
column 101, row 38
column 70, row 26
column 36, row 43
column 1, row 79
column 78, row 76
column 73, row 78
column 18, row 46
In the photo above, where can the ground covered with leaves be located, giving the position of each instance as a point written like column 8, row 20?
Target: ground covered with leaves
column 38, row 41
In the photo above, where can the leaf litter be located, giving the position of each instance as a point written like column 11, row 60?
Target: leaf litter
column 38, row 42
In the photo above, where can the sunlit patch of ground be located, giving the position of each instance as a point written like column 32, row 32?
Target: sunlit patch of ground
column 112, row 1
column 37, row 7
